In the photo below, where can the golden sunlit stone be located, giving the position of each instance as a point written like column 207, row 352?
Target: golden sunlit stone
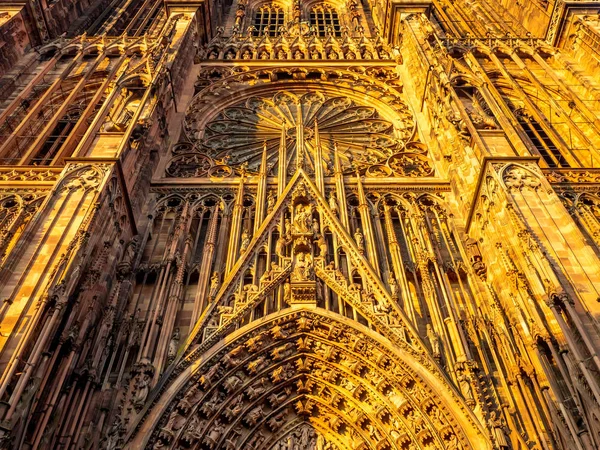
column 299, row 225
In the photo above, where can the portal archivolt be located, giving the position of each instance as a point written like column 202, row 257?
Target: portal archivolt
column 307, row 377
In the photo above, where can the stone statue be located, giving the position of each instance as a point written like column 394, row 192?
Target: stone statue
column 315, row 227
column 360, row 239
column 280, row 246
column 465, row 386
column 301, row 267
column 322, row 244
column 265, row 277
column 393, row 285
column 302, row 219
column 333, row 204
column 143, row 387
column 245, row 241
column 126, row 265
column 173, row 344
column 270, row 202
column 498, row 426
column 434, row 341
column 214, row 285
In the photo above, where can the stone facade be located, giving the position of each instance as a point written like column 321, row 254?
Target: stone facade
column 300, row 225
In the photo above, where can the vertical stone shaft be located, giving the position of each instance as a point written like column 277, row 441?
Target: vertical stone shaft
column 205, row 270
column 365, row 218
column 282, row 162
column 340, row 189
column 236, row 228
column 319, row 178
column 261, row 191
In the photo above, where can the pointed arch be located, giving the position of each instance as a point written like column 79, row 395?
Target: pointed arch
column 307, row 366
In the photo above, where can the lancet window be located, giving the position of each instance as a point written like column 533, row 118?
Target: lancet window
column 268, row 19
column 542, row 142
column 325, row 20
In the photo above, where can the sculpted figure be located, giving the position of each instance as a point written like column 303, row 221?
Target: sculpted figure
column 232, row 383
column 360, row 239
column 257, row 389
column 300, row 268
column 214, row 285
column 287, row 227
column 173, row 344
column 254, row 415
column 257, row 365
column 434, row 340
column 213, row 436
column 465, row 386
column 235, row 408
column 245, row 241
column 393, row 285
column 282, row 351
column 333, row 204
column 143, row 387
column 126, row 263
column 270, row 202
column 498, row 426
column 265, row 277
column 315, row 227
column 302, row 219
column 280, row 246
column 322, row 244
column 287, row 293
column 277, row 421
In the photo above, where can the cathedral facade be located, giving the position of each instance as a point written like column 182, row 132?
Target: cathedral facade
column 300, row 224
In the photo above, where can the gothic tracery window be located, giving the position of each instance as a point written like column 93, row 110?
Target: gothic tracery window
column 268, row 19
column 549, row 152
column 325, row 20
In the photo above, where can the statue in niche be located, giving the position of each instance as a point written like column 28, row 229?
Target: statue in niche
column 265, row 277
column 302, row 219
column 125, row 266
column 393, row 284
column 498, row 427
column 214, row 285
column 213, row 436
column 287, row 227
column 173, row 345
column 270, row 202
column 464, row 383
column 315, row 227
column 245, row 241
column 333, row 204
column 434, row 341
column 287, row 293
column 302, row 267
column 360, row 239
column 322, row 244
column 280, row 246
column 143, row 387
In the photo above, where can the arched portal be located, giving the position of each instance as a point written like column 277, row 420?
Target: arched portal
column 306, row 378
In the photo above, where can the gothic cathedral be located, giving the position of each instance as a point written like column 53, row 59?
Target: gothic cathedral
column 300, row 224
